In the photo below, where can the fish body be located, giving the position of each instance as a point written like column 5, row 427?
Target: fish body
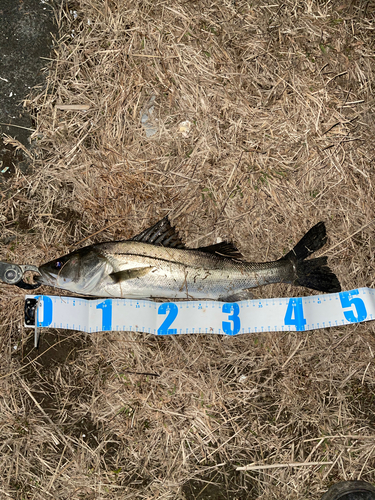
column 155, row 264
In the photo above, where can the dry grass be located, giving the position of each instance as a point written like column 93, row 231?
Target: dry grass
column 280, row 98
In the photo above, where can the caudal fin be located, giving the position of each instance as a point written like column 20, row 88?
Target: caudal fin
column 313, row 273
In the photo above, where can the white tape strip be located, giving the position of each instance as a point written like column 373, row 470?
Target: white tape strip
column 173, row 318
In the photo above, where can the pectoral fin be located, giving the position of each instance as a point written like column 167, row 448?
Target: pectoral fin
column 129, row 274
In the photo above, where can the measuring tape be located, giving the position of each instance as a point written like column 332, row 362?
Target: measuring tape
column 174, row 318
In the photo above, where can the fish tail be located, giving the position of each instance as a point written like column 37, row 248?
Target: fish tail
column 312, row 273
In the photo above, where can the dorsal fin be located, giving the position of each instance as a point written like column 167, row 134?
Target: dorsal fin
column 224, row 249
column 161, row 234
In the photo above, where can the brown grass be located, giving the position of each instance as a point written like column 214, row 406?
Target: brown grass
column 280, row 98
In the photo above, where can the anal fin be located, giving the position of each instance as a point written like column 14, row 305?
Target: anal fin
column 237, row 297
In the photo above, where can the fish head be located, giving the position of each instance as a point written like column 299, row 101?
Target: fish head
column 61, row 271
column 77, row 272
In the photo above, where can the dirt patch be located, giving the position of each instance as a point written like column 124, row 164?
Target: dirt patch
column 362, row 402
column 9, row 157
column 220, row 485
column 25, row 44
column 56, row 347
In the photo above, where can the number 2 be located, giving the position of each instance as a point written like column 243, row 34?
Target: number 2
column 172, row 311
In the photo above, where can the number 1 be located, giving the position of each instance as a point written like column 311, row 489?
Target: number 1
column 106, row 307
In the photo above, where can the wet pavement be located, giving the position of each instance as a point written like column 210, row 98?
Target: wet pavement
column 25, row 38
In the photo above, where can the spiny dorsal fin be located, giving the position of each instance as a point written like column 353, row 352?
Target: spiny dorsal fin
column 224, row 249
column 161, row 234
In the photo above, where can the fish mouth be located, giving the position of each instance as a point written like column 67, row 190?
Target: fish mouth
column 44, row 278
column 48, row 278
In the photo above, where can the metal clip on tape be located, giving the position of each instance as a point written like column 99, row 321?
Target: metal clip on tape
column 12, row 274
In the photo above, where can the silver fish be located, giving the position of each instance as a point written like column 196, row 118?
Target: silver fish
column 156, row 264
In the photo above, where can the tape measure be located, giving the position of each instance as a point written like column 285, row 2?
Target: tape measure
column 175, row 318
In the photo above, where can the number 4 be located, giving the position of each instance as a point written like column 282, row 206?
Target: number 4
column 294, row 314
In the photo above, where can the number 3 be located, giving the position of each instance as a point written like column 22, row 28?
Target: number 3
column 235, row 310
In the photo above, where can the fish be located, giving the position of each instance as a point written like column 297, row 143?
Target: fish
column 155, row 264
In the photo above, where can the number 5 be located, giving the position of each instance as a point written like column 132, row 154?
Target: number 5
column 347, row 301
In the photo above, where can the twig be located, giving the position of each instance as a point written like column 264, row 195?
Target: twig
column 339, row 436
column 141, row 373
column 18, row 126
column 73, row 107
column 291, row 356
column 277, row 466
column 336, row 76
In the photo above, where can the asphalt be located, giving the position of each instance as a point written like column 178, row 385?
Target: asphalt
column 26, row 28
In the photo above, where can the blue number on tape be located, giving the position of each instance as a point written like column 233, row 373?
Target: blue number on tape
column 172, row 311
column 235, row 325
column 294, row 314
column 47, row 310
column 106, row 307
column 347, row 301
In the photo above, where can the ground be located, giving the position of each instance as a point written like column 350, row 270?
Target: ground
column 27, row 31
column 279, row 97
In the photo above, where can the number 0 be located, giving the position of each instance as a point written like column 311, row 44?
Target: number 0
column 47, row 311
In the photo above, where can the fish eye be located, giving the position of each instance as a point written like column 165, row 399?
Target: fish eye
column 58, row 264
